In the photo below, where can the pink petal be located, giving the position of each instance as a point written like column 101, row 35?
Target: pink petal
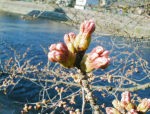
column 126, row 97
column 72, row 36
column 82, row 28
column 51, row 57
column 61, row 46
column 99, row 49
column 66, row 38
column 100, row 62
column 105, row 54
column 52, row 47
column 93, row 56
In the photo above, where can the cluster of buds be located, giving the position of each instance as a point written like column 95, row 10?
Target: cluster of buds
column 97, row 58
column 76, row 78
column 90, row 77
column 39, row 105
column 125, row 106
column 26, row 109
column 69, row 54
column 62, row 104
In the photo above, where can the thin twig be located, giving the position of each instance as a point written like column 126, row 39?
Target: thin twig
column 83, row 100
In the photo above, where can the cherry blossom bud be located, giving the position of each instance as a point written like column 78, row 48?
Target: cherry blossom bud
column 83, row 39
column 117, row 105
column 69, row 40
column 130, row 106
column 126, row 98
column 60, row 53
column 87, row 27
column 132, row 111
column 110, row 110
column 144, row 105
column 98, row 58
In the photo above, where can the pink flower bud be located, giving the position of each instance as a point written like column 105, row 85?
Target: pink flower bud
column 60, row 53
column 132, row 111
column 69, row 40
column 110, row 110
column 144, row 106
column 83, row 39
column 126, row 98
column 117, row 105
column 98, row 58
column 87, row 27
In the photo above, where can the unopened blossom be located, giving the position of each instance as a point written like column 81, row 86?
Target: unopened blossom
column 98, row 58
column 83, row 39
column 125, row 98
column 132, row 111
column 69, row 40
column 129, row 106
column 110, row 110
column 117, row 105
column 144, row 106
column 87, row 26
column 60, row 53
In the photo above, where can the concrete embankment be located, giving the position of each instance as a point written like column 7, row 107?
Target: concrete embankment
column 128, row 25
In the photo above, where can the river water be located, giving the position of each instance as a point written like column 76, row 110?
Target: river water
column 21, row 34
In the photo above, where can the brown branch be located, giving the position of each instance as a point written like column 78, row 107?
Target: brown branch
column 110, row 88
column 90, row 97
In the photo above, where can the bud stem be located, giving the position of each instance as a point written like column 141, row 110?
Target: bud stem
column 86, row 87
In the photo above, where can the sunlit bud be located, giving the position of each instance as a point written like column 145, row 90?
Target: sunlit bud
column 76, row 78
column 82, row 42
column 60, row 53
column 37, row 106
column 109, row 78
column 72, row 112
column 87, row 27
column 25, row 109
column 62, row 89
column 29, row 107
column 56, row 88
column 117, row 105
column 69, row 40
column 69, row 63
column 44, row 101
column 98, row 58
column 77, row 111
column 144, row 105
column 83, row 39
column 129, row 106
column 110, row 110
column 132, row 111
column 125, row 98
column 72, row 100
column 61, row 104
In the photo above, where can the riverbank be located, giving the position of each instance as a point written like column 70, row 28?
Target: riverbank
column 107, row 23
